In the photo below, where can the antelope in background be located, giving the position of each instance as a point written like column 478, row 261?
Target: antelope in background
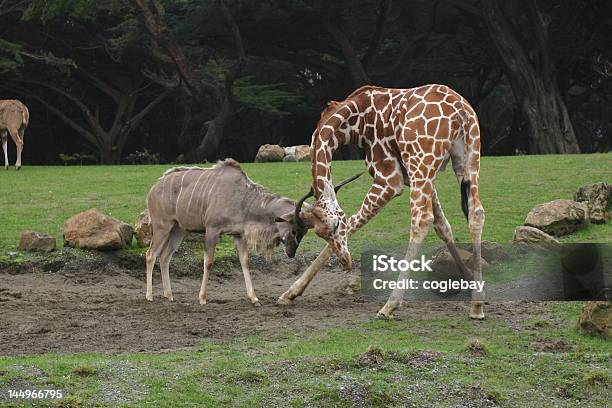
column 14, row 119
column 219, row 200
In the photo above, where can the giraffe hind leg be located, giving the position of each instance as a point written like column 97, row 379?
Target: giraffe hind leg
column 445, row 233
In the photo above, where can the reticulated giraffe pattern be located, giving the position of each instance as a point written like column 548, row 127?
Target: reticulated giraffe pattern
column 408, row 135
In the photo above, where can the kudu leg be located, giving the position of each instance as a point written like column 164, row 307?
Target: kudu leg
column 19, row 149
column 243, row 254
column 158, row 241
column 210, row 244
column 174, row 240
column 4, row 138
column 18, row 142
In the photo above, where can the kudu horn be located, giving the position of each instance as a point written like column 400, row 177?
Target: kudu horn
column 298, row 207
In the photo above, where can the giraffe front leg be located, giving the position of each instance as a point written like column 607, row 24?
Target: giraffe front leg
column 421, row 219
column 378, row 195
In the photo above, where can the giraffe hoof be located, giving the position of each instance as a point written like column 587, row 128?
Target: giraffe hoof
column 149, row 298
column 284, row 301
column 202, row 301
column 257, row 304
column 477, row 312
column 382, row 316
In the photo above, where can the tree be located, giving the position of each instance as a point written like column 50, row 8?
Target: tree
column 530, row 69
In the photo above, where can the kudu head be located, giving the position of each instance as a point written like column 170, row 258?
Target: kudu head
column 327, row 219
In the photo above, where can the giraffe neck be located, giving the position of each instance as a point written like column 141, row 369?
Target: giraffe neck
column 330, row 135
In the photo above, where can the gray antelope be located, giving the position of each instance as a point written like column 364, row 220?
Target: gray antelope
column 14, row 119
column 218, row 200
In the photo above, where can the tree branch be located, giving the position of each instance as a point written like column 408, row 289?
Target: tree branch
column 376, row 40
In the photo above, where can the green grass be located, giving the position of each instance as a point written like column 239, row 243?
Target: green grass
column 325, row 368
column 42, row 198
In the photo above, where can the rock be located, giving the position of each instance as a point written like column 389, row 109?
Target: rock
column 596, row 319
column 533, row 237
column 290, row 158
column 270, row 153
column 36, row 241
column 289, row 150
column 142, row 229
column 302, row 152
column 491, row 251
column 559, row 217
column 444, row 266
column 598, row 198
column 93, row 230
column 350, row 285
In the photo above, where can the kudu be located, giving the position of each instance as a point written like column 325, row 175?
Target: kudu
column 218, row 200
column 14, row 119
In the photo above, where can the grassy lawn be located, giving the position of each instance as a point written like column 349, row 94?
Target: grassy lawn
column 416, row 362
column 536, row 358
column 42, row 198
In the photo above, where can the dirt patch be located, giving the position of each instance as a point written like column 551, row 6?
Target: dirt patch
column 550, row 346
column 96, row 303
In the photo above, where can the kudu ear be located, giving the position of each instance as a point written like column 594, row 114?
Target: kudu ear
column 289, row 217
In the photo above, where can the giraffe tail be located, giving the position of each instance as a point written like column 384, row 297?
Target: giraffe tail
column 465, row 191
column 461, row 156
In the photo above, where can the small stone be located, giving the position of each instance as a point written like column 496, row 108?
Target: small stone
column 533, row 237
column 33, row 241
column 270, row 153
column 596, row 319
column 302, row 152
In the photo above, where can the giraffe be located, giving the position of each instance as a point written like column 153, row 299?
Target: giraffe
column 408, row 135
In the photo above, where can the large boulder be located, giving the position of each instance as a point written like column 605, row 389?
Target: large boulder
column 270, row 153
column 533, row 237
column 142, row 229
column 302, row 153
column 93, row 230
column 558, row 217
column 596, row 319
column 36, row 241
column 598, row 198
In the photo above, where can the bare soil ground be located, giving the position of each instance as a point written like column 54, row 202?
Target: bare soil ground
column 76, row 304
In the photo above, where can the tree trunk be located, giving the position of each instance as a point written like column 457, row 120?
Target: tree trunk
column 532, row 78
column 548, row 124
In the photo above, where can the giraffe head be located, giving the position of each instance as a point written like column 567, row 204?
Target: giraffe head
column 328, row 220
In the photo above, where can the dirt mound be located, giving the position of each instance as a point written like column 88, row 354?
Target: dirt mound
column 86, row 302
